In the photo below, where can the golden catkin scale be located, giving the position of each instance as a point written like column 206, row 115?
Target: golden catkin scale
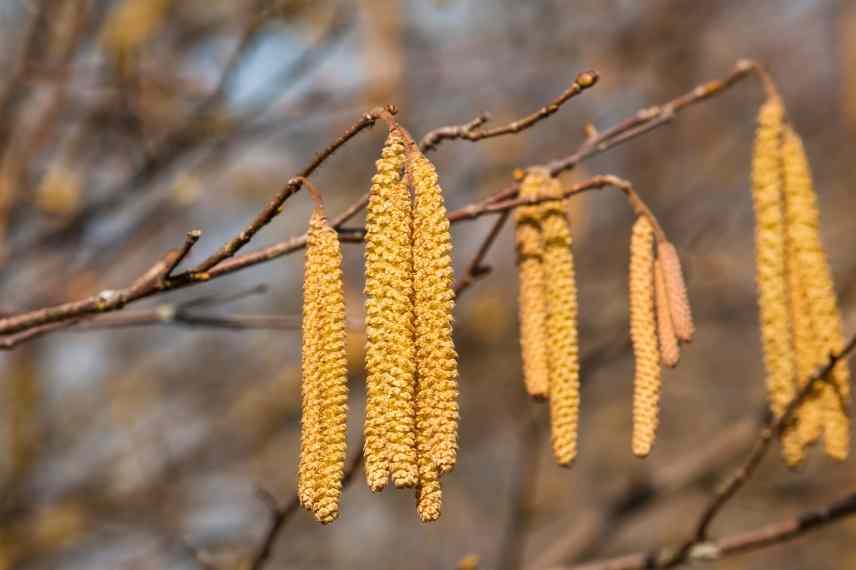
column 767, row 197
column 810, row 257
column 561, row 325
column 434, row 300
column 325, row 403
column 669, row 351
column 532, row 301
column 676, row 289
column 390, row 439
column 643, row 335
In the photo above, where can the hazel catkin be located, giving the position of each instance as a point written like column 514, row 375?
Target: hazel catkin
column 643, row 335
column 676, row 290
column 390, row 439
column 325, row 374
column 668, row 341
column 532, row 302
column 767, row 197
column 561, row 324
column 809, row 258
column 434, row 300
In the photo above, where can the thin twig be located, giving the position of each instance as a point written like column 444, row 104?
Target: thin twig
column 472, row 131
column 768, row 535
column 477, row 269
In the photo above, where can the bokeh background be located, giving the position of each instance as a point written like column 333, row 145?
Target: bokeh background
column 143, row 447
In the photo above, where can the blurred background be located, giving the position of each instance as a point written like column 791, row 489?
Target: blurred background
column 124, row 124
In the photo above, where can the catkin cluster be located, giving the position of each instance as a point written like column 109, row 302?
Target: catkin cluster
column 411, row 364
column 800, row 321
column 325, row 388
column 548, row 308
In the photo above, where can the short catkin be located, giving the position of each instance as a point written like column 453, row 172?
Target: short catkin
column 810, row 257
column 768, row 201
column 669, row 351
column 532, row 302
column 434, row 300
column 643, row 335
column 561, row 326
column 390, row 438
column 325, row 367
column 676, row 289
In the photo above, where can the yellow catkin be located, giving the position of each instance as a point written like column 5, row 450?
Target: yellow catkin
column 810, row 257
column 390, row 444
column 643, row 334
column 333, row 367
column 669, row 351
column 679, row 302
column 561, row 326
column 309, row 466
column 768, row 200
column 434, row 300
column 532, row 301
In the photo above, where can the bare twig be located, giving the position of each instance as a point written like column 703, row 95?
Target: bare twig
column 768, row 535
column 472, row 131
column 477, row 269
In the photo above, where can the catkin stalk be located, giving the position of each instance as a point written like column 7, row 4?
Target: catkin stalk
column 676, row 289
column 390, row 448
column 325, row 374
column 768, row 200
column 669, row 351
column 643, row 335
column 434, row 300
column 532, row 301
column 809, row 256
column 561, row 326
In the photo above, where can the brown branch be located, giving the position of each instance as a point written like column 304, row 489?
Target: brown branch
column 476, row 269
column 281, row 514
column 472, row 131
column 768, row 535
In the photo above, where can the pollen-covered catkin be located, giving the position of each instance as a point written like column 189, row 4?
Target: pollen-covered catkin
column 390, row 439
column 643, row 335
column 532, row 302
column 325, row 389
column 562, row 340
column 816, row 277
column 679, row 301
column 768, row 200
column 333, row 392
column 434, row 300
column 669, row 351
column 309, row 465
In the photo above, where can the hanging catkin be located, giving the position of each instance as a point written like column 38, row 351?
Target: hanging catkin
column 669, row 351
column 676, row 289
column 561, row 326
column 434, row 300
column 390, row 448
column 325, row 373
column 643, row 334
column 809, row 257
column 532, row 302
column 768, row 200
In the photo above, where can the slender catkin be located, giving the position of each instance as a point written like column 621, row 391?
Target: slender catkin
column 390, row 447
column 767, row 197
column 434, row 300
column 815, row 275
column 561, row 326
column 309, row 466
column 334, row 374
column 325, row 402
column 532, row 301
column 676, row 289
column 643, row 335
column 669, row 351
